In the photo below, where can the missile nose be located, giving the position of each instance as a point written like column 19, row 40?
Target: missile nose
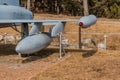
column 81, row 24
column 18, row 49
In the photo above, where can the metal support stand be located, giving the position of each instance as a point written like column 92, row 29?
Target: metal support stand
column 41, row 27
column 79, row 35
column 36, row 28
column 24, row 30
column 105, row 41
column 5, row 39
column 60, row 46
column 60, row 50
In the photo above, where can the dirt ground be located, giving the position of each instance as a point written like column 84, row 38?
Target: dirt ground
column 12, row 67
column 85, row 66
column 75, row 65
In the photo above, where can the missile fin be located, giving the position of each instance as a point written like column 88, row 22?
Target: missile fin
column 57, row 29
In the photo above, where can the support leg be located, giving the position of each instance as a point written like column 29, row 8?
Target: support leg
column 22, row 55
column 24, row 30
column 60, row 51
column 80, row 43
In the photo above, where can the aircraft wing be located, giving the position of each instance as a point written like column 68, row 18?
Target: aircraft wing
column 59, row 24
column 32, row 21
column 45, row 22
column 85, row 21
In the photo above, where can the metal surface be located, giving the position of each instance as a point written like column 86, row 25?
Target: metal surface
column 87, row 21
column 79, row 36
column 9, row 12
column 35, row 28
column 34, row 43
column 33, row 21
column 60, row 45
column 9, row 2
column 57, row 29
column 24, row 30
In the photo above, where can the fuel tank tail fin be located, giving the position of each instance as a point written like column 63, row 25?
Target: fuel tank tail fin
column 35, row 28
column 58, row 28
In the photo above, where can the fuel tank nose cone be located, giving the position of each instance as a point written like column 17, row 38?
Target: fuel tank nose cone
column 18, row 49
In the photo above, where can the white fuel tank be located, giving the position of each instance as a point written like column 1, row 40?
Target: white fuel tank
column 87, row 21
column 34, row 43
column 14, row 12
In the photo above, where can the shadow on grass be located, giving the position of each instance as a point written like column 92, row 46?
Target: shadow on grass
column 89, row 53
column 10, row 50
column 7, row 50
column 39, row 55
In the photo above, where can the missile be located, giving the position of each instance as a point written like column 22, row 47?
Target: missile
column 37, row 41
column 33, row 43
column 87, row 21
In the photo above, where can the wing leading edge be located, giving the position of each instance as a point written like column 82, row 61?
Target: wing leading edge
column 35, row 21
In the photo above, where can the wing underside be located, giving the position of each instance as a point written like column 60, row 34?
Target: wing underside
column 57, row 25
column 8, row 23
column 35, row 21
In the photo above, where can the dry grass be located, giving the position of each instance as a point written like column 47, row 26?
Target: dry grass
column 75, row 65
column 85, row 66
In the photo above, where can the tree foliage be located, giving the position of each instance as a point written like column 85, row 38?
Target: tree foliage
column 105, row 8
column 101, row 8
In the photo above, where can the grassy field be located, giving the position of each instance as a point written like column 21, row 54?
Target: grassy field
column 75, row 65
column 84, row 66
